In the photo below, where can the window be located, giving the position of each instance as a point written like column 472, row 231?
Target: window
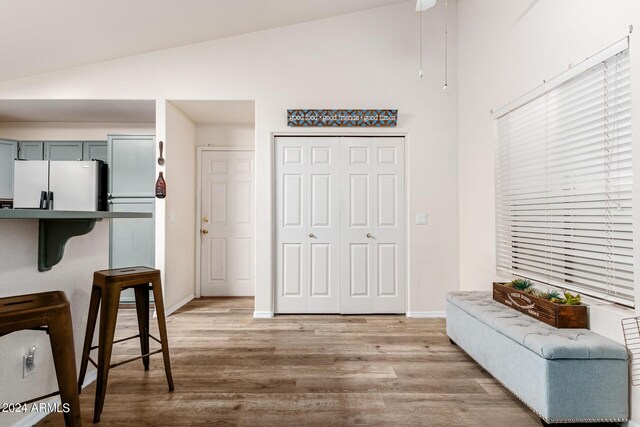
column 564, row 181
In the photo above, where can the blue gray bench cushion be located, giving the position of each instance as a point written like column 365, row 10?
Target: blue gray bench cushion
column 564, row 376
column 543, row 339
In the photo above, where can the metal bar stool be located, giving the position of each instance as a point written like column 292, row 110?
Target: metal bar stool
column 107, row 286
column 49, row 312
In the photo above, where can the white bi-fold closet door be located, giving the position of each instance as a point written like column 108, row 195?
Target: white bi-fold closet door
column 308, row 225
column 340, row 232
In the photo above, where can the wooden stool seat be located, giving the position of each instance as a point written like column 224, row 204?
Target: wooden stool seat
column 106, row 290
column 50, row 312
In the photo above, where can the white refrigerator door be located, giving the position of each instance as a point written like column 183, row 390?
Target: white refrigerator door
column 74, row 185
column 30, row 178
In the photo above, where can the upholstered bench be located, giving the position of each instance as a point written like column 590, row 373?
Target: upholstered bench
column 563, row 375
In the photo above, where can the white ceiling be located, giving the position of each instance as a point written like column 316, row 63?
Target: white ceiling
column 38, row 36
column 69, row 110
column 218, row 112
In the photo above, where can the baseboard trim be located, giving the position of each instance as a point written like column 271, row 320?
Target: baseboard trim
column 175, row 307
column 262, row 314
column 426, row 314
column 34, row 418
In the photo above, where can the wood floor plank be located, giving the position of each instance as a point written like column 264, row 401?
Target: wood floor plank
column 300, row 370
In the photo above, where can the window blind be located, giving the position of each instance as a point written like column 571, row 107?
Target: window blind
column 564, row 184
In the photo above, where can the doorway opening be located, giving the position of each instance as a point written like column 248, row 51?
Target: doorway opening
column 222, row 143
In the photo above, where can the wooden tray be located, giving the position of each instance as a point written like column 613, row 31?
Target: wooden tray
column 551, row 313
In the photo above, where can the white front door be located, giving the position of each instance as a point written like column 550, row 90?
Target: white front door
column 308, row 225
column 340, row 233
column 372, row 225
column 227, row 223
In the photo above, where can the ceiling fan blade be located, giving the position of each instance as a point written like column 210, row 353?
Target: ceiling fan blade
column 422, row 5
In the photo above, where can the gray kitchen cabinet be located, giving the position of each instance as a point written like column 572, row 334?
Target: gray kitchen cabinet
column 132, row 169
column 94, row 150
column 8, row 153
column 132, row 240
column 132, row 165
column 63, row 150
column 31, row 150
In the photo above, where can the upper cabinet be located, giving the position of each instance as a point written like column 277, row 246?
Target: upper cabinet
column 60, row 150
column 31, row 150
column 132, row 165
column 94, row 150
column 63, row 150
column 8, row 153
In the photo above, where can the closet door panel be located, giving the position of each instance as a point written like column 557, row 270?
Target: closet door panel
column 291, row 229
column 307, row 227
column 372, row 225
column 323, row 234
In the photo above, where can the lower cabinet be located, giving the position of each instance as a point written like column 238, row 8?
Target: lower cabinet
column 132, row 240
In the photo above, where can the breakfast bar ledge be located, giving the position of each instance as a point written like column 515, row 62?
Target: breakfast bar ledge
column 57, row 227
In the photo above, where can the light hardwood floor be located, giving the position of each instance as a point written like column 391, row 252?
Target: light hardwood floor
column 231, row 369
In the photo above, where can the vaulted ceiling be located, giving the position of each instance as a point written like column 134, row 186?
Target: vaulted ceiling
column 38, row 36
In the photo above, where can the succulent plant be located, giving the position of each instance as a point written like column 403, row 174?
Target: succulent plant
column 536, row 292
column 521, row 284
column 526, row 286
column 552, row 294
column 570, row 299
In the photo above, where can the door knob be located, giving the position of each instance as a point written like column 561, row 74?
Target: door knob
column 312, row 235
column 369, row 235
column 205, row 231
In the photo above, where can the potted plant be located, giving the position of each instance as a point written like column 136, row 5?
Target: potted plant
column 561, row 311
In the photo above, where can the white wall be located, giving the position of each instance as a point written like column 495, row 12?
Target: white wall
column 237, row 135
column 19, row 275
column 502, row 55
column 180, row 207
column 41, row 131
column 365, row 59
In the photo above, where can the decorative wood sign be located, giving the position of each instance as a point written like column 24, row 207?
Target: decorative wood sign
column 342, row 118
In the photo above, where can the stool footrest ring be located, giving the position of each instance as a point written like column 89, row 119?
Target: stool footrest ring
column 120, row 340
column 135, row 358
column 130, row 338
column 128, row 360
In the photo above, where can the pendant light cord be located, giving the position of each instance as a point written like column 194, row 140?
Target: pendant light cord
column 421, row 19
column 446, row 46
